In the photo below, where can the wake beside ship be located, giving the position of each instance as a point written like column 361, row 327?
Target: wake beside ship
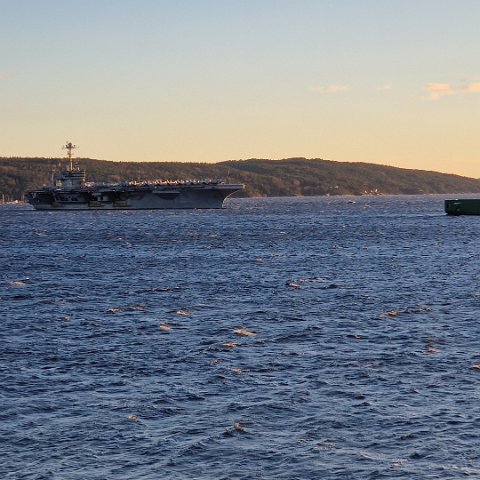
column 70, row 190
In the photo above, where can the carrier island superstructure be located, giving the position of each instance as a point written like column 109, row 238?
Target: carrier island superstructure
column 69, row 190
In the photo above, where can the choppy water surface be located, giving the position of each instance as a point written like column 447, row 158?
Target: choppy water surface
column 302, row 338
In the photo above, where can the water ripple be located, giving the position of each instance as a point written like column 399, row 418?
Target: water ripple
column 275, row 339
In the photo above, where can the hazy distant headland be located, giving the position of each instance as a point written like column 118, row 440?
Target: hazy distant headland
column 288, row 177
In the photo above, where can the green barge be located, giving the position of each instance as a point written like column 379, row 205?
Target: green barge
column 463, row 206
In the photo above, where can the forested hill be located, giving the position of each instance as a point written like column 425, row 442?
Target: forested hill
column 293, row 176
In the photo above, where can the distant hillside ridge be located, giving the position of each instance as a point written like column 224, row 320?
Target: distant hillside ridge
column 262, row 177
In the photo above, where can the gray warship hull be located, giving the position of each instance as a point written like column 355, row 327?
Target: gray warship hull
column 69, row 190
column 182, row 196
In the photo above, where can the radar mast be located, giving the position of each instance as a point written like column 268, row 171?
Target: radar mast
column 69, row 147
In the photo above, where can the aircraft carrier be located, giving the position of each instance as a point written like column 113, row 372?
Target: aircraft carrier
column 69, row 190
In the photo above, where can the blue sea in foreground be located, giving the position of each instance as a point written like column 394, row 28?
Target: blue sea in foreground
column 282, row 338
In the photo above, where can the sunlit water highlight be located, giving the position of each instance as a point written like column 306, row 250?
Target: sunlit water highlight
column 300, row 338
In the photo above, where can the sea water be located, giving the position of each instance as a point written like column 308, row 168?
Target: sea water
column 293, row 338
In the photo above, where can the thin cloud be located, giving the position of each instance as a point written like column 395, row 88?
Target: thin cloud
column 385, row 88
column 329, row 89
column 472, row 88
column 5, row 74
column 438, row 90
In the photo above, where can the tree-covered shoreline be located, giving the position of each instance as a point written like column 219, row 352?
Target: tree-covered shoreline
column 289, row 177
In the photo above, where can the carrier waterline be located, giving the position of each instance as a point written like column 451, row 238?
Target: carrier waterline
column 69, row 190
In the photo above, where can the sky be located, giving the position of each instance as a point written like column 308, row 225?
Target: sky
column 393, row 82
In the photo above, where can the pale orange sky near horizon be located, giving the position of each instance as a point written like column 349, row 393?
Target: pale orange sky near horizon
column 394, row 83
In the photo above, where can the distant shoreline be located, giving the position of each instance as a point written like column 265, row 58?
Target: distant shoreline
column 263, row 178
